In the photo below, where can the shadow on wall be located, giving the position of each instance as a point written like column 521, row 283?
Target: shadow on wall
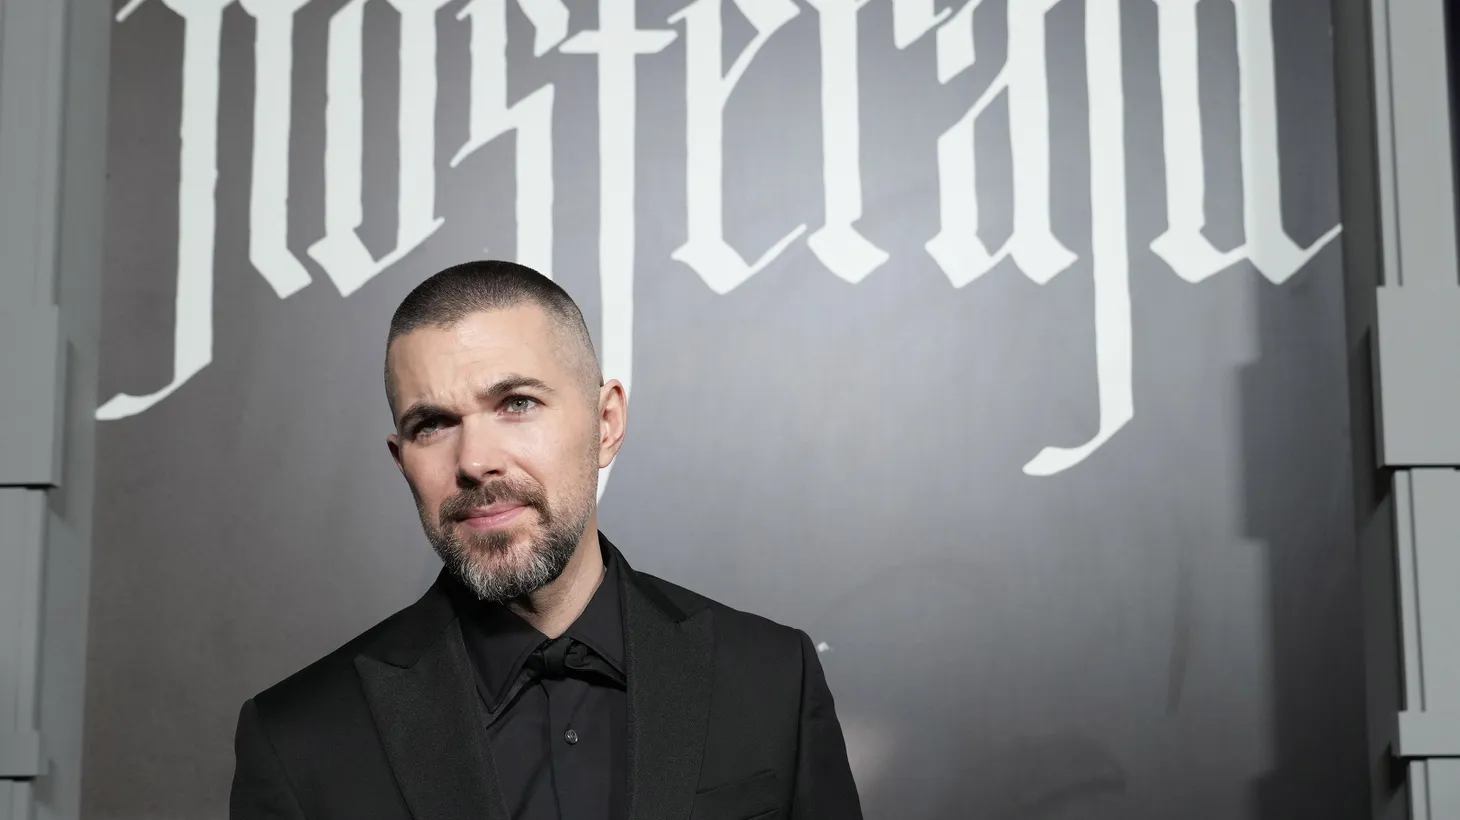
column 1452, row 27
column 914, row 756
column 1315, row 610
column 1293, row 425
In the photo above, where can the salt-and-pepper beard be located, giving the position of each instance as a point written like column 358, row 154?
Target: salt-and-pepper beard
column 547, row 556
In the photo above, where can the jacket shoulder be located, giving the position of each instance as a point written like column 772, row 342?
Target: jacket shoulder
column 760, row 671
column 735, row 629
column 333, row 678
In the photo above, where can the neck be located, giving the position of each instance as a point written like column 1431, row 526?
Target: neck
column 554, row 608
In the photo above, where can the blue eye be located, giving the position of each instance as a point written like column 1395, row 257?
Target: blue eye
column 517, row 405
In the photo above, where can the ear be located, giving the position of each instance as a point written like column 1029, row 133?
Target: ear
column 392, row 441
column 613, row 419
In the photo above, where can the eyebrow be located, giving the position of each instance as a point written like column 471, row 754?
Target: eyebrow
column 511, row 383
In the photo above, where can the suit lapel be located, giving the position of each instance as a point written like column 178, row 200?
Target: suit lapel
column 670, row 667
column 429, row 716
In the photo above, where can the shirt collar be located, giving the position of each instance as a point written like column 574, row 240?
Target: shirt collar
column 499, row 641
column 601, row 626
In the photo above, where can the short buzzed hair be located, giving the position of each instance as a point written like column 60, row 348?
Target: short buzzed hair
column 461, row 290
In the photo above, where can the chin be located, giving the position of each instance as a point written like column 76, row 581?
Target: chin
column 495, row 560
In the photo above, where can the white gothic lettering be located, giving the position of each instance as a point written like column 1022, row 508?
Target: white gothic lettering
column 618, row 46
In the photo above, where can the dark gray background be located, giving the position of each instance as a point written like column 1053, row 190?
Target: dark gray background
column 1169, row 629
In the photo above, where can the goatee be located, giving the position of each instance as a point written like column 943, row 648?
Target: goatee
column 484, row 562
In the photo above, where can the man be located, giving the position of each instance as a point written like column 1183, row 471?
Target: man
column 541, row 677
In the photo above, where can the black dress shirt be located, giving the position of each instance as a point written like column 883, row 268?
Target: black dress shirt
column 557, row 730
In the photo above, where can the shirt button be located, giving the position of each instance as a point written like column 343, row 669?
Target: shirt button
column 571, row 736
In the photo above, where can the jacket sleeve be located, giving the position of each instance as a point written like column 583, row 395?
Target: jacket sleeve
column 824, row 787
column 261, row 789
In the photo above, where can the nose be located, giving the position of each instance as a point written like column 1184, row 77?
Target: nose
column 479, row 453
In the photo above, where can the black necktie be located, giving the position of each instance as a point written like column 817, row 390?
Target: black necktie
column 562, row 657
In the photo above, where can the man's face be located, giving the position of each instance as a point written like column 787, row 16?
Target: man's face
column 501, row 441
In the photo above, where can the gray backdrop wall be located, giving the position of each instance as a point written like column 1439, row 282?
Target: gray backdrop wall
column 999, row 345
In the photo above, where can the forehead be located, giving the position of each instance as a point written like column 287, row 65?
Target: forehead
column 435, row 362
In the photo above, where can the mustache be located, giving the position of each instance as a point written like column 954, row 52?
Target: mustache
column 457, row 507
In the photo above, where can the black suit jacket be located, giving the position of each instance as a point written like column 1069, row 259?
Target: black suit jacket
column 729, row 718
